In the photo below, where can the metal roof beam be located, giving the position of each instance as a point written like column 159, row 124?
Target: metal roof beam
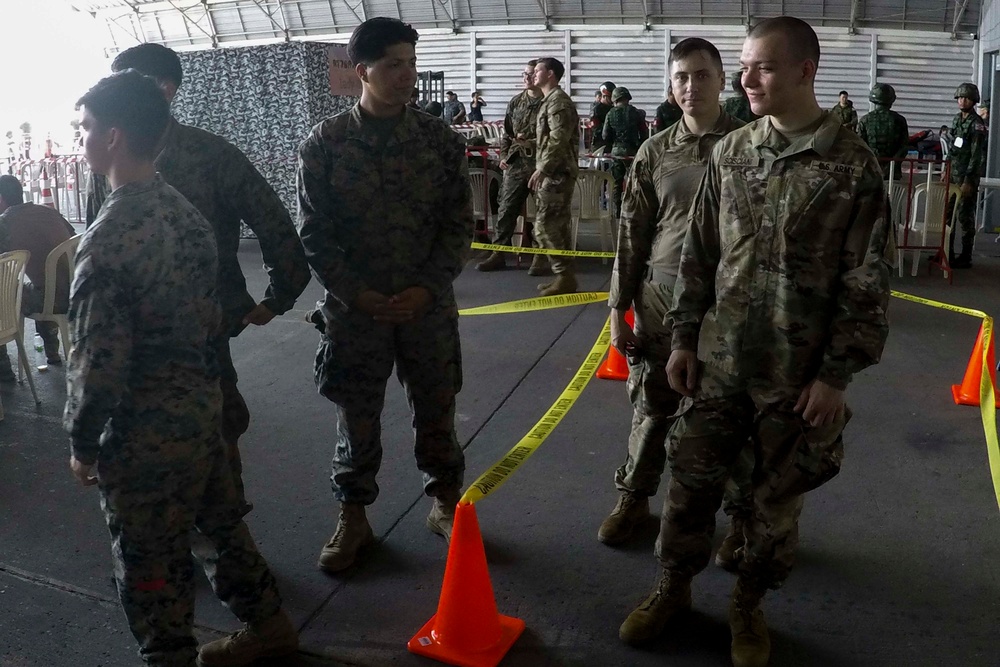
column 188, row 19
column 270, row 17
column 852, row 27
column 959, row 13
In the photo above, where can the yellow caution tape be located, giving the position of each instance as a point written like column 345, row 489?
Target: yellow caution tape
column 540, row 251
column 538, row 303
column 987, row 393
column 501, row 471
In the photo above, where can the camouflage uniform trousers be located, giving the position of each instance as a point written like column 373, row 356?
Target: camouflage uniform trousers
column 152, row 508
column 791, row 458
column 235, row 414
column 966, row 220
column 655, row 407
column 355, row 359
column 513, row 194
column 554, row 219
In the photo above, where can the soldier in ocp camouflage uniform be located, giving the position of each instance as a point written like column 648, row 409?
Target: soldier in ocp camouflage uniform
column 225, row 187
column 144, row 402
column 517, row 159
column 884, row 130
column 780, row 299
column 968, row 164
column 738, row 106
column 385, row 216
column 623, row 135
column 554, row 179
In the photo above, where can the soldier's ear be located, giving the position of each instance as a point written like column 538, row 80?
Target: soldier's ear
column 362, row 71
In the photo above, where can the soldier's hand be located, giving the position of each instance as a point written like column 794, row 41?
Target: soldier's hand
column 259, row 315
column 820, row 404
column 408, row 305
column 623, row 338
column 503, row 164
column 682, row 372
column 82, row 472
column 966, row 189
column 371, row 303
column 535, row 180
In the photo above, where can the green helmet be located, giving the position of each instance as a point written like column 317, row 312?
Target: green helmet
column 968, row 90
column 621, row 93
column 882, row 93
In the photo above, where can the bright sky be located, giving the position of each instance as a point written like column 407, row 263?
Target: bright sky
column 50, row 56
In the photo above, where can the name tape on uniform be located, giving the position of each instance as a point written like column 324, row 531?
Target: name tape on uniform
column 837, row 168
column 501, row 471
column 740, row 161
column 541, row 251
column 537, row 303
column 987, row 392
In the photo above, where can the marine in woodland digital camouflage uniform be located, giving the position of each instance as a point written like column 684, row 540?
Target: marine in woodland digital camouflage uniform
column 738, row 106
column 847, row 114
column 660, row 189
column 667, row 113
column 387, row 207
column 517, row 149
column 968, row 164
column 622, row 136
column 227, row 189
column 783, row 280
column 884, row 130
column 144, row 404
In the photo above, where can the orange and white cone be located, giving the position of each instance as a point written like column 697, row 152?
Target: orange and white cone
column 46, row 187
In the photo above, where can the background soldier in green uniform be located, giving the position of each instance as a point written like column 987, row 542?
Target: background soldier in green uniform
column 557, row 166
column 844, row 110
column 780, row 299
column 738, row 106
column 517, row 159
column 385, row 216
column 884, row 130
column 623, row 136
column 668, row 113
column 661, row 186
column 598, row 112
column 143, row 398
column 968, row 164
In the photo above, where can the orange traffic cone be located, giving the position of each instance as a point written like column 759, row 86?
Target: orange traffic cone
column 466, row 631
column 47, row 191
column 967, row 393
column 615, row 367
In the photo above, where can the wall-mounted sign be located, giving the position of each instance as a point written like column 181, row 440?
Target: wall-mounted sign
column 343, row 79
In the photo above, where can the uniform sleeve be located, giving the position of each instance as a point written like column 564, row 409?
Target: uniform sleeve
column 253, row 199
column 455, row 226
column 863, row 131
column 853, row 119
column 903, row 137
column 553, row 159
column 316, row 227
column 99, row 362
column 97, row 192
column 508, row 132
column 859, row 328
column 694, row 292
column 635, row 233
column 977, row 155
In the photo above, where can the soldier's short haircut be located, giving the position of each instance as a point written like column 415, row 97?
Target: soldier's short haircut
column 153, row 60
column 691, row 45
column 843, row 92
column 532, row 62
column 371, row 39
column 10, row 190
column 553, row 66
column 132, row 103
column 800, row 38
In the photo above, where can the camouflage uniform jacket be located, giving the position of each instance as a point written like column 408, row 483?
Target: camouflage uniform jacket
column 226, row 188
column 666, row 115
column 738, row 106
column 598, row 112
column 384, row 215
column 558, row 135
column 658, row 194
column 848, row 115
column 521, row 120
column 885, row 132
column 141, row 377
column 623, row 129
column 784, row 275
column 968, row 161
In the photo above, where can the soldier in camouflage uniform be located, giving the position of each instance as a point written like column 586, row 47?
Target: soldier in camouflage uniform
column 661, row 186
column 556, row 169
column 968, row 164
column 844, row 110
column 517, row 159
column 780, row 299
column 385, row 216
column 667, row 113
column 738, row 106
column 623, row 136
column 225, row 187
column 884, row 130
column 598, row 112
column 144, row 402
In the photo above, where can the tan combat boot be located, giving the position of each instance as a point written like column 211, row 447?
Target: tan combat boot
column 352, row 534
column 266, row 639
column 565, row 283
column 730, row 552
column 539, row 266
column 751, row 644
column 494, row 262
column 630, row 510
column 650, row 619
column 442, row 516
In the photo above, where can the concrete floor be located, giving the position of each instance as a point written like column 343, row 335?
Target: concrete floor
column 896, row 563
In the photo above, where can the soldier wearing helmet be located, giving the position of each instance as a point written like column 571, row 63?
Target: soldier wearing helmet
column 968, row 160
column 738, row 106
column 884, row 130
column 622, row 135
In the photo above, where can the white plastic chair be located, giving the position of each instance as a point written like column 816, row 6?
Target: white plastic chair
column 11, row 321
column 929, row 225
column 65, row 249
column 529, row 214
column 481, row 183
column 594, row 191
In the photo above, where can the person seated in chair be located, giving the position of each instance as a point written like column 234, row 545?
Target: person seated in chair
column 37, row 229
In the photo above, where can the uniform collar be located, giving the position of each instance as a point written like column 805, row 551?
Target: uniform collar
column 723, row 124
column 763, row 135
column 405, row 130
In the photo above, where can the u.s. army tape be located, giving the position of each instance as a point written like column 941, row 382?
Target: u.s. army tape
column 501, row 471
column 494, row 247
column 538, row 303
